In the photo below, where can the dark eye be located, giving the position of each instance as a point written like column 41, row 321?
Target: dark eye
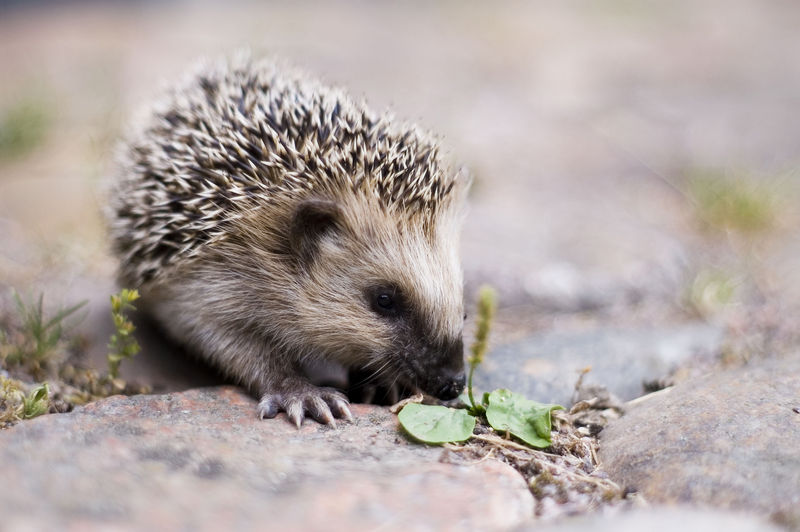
column 385, row 300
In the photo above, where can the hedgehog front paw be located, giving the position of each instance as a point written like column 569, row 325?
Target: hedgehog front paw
column 322, row 404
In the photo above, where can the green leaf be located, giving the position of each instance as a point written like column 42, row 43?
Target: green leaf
column 64, row 313
column 436, row 424
column 37, row 402
column 525, row 419
column 480, row 408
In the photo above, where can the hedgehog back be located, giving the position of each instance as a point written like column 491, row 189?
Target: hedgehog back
column 236, row 137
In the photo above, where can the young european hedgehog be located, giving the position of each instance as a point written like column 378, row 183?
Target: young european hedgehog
column 270, row 221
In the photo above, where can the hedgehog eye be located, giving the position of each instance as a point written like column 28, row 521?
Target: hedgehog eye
column 385, row 301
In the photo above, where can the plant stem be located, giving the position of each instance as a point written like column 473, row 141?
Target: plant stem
column 487, row 304
column 469, row 385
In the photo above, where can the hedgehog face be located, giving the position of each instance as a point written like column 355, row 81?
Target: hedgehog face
column 428, row 359
column 381, row 293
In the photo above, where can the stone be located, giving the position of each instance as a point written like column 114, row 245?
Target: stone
column 728, row 440
column 561, row 287
column 658, row 519
column 545, row 366
column 201, row 460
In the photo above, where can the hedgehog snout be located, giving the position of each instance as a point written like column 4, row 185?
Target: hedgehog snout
column 449, row 386
column 446, row 380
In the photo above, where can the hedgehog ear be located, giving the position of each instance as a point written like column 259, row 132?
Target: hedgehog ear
column 312, row 219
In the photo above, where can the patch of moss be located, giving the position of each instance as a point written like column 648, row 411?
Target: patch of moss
column 16, row 404
column 24, row 126
column 11, row 397
column 732, row 202
column 711, row 291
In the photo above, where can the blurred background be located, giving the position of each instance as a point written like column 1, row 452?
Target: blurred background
column 636, row 162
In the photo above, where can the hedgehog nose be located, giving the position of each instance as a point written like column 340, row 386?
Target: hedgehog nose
column 451, row 386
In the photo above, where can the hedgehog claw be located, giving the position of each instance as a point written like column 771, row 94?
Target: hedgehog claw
column 268, row 408
column 321, row 404
column 341, row 409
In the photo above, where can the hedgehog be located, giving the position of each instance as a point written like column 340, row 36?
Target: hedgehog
column 271, row 222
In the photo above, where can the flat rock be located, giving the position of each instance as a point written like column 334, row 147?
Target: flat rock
column 658, row 519
column 546, row 366
column 728, row 440
column 200, row 460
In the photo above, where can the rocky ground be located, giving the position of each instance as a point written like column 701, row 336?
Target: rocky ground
column 635, row 205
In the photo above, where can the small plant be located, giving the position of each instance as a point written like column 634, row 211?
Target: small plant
column 37, row 402
column 487, row 306
column 5, row 347
column 503, row 410
column 711, row 291
column 733, row 202
column 123, row 344
column 41, row 335
column 15, row 405
column 23, row 126
column 34, row 346
column 11, row 397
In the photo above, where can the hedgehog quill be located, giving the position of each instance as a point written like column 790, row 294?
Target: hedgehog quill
column 270, row 221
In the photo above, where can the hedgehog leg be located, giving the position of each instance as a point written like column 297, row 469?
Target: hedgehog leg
column 298, row 398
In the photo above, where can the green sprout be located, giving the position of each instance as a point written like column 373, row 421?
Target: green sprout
column 37, row 402
column 41, row 334
column 123, row 344
column 487, row 306
column 15, row 405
